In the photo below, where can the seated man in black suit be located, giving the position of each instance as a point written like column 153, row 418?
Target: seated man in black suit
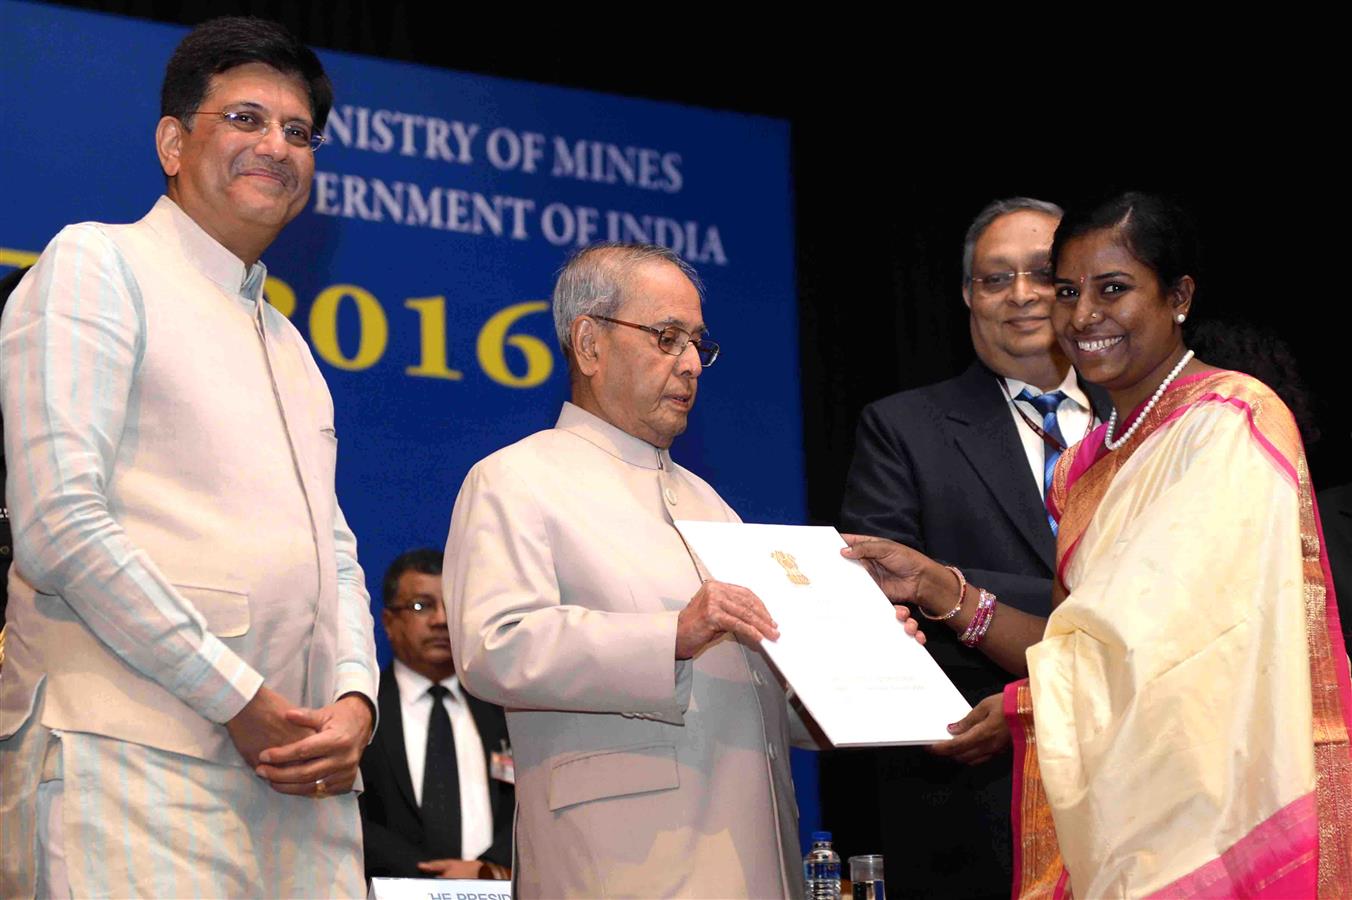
column 438, row 801
column 957, row 472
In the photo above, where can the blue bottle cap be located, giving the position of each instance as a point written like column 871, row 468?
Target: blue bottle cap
column 820, row 836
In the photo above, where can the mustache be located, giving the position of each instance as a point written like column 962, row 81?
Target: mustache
column 278, row 170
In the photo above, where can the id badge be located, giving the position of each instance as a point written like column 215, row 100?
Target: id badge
column 500, row 764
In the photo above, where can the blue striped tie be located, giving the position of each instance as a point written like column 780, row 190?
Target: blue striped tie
column 1046, row 404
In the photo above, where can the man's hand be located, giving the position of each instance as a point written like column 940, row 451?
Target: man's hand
column 450, row 868
column 263, row 723
column 337, row 734
column 718, row 609
column 980, row 735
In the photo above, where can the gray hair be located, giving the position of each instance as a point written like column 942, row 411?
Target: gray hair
column 593, row 282
column 992, row 212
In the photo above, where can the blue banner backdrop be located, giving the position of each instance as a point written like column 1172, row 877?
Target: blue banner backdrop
column 443, row 204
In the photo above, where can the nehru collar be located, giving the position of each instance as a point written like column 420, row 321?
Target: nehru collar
column 620, row 444
column 222, row 267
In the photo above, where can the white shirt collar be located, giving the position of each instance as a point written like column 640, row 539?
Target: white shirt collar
column 1069, row 385
column 413, row 686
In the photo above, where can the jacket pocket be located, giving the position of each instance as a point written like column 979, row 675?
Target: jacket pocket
column 613, row 773
column 226, row 611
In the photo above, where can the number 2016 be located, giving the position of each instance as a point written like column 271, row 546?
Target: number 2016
column 490, row 347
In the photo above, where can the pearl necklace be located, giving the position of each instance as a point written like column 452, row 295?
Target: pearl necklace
column 1155, row 398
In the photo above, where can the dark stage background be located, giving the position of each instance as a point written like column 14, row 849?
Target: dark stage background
column 899, row 137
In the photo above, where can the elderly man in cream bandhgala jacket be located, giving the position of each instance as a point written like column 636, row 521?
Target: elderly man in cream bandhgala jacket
column 650, row 736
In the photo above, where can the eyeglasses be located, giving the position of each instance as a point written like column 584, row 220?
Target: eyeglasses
column 673, row 341
column 297, row 134
column 417, row 607
column 999, row 282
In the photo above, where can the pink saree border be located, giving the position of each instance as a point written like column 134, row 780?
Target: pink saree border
column 1278, row 859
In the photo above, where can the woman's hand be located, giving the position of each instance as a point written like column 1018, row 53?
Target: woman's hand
column 905, row 575
column 980, row 735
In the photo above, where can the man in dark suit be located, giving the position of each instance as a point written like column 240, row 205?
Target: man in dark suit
column 438, row 801
column 957, row 471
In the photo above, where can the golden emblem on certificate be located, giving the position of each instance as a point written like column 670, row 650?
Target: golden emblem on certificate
column 790, row 567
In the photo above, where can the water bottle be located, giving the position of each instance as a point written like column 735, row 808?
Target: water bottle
column 821, row 869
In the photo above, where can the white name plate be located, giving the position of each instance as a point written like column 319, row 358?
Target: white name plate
column 438, row 889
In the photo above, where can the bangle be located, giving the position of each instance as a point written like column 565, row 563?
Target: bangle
column 981, row 619
column 976, row 628
column 962, row 591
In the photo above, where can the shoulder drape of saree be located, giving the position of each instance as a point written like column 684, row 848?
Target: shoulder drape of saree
column 1179, row 684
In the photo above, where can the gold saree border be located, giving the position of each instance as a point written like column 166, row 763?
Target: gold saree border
column 1041, row 868
column 1332, row 753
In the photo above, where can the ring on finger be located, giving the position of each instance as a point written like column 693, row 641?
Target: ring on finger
column 321, row 789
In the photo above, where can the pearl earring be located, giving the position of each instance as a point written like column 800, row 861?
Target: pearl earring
column 1179, row 318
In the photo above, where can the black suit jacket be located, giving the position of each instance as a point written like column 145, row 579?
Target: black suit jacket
column 942, row 469
column 392, row 829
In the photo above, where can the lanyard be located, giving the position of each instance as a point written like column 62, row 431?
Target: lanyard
column 1037, row 429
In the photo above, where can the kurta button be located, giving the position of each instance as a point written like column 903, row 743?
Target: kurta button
column 756, row 677
column 670, row 495
column 773, row 755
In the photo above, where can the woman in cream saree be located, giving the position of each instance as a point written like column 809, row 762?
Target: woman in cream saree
column 1184, row 728
column 1192, row 689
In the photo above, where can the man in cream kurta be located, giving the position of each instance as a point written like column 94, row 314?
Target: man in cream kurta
column 190, row 658
column 650, row 743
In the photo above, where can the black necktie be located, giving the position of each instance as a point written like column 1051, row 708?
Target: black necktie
column 441, row 783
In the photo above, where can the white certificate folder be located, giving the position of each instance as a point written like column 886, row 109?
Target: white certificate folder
column 842, row 650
